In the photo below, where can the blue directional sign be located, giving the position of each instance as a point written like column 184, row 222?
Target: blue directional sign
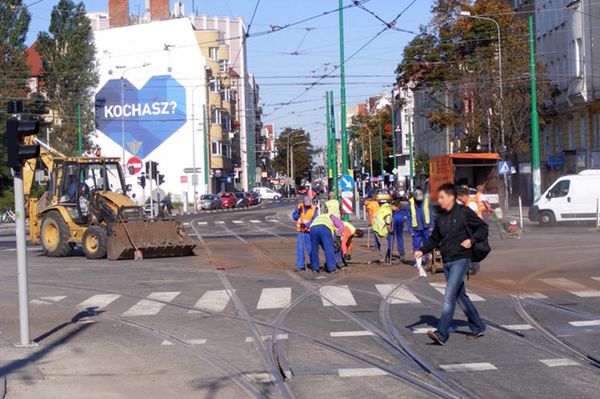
column 504, row 167
column 347, row 183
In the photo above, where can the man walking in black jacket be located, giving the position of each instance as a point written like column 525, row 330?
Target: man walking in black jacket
column 456, row 230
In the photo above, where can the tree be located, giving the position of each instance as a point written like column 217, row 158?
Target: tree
column 14, row 24
column 303, row 152
column 365, row 129
column 68, row 59
column 454, row 62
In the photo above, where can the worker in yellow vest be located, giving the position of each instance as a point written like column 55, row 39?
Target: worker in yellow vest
column 383, row 226
column 332, row 205
column 304, row 214
column 419, row 218
column 324, row 230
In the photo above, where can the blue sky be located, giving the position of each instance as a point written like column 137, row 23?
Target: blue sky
column 284, row 62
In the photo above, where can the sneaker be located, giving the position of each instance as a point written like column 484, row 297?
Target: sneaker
column 435, row 337
column 315, row 271
column 474, row 335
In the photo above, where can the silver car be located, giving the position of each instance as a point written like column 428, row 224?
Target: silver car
column 209, row 201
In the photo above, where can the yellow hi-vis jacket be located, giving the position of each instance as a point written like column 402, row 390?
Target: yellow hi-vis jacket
column 383, row 217
column 333, row 207
column 324, row 219
column 413, row 212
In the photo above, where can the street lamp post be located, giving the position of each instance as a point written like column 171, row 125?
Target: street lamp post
column 125, row 69
column 467, row 14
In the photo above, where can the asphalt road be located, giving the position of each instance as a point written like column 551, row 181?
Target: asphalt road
column 236, row 321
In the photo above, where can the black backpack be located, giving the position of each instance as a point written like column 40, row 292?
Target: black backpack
column 480, row 249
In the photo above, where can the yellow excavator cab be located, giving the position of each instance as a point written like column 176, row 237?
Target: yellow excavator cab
column 86, row 204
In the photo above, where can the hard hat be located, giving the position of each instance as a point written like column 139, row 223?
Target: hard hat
column 418, row 195
column 307, row 201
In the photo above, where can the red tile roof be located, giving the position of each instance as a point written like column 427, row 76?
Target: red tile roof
column 34, row 61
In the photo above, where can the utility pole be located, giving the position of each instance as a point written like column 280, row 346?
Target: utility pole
column 410, row 153
column 535, row 134
column 334, row 146
column 329, row 152
column 381, row 155
column 394, row 133
column 206, row 149
column 344, row 138
column 79, row 138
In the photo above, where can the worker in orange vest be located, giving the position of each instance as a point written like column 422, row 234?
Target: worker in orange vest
column 304, row 214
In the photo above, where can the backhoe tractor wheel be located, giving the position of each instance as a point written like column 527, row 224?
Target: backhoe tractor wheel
column 55, row 235
column 93, row 242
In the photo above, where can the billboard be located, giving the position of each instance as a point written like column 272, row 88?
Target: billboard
column 149, row 114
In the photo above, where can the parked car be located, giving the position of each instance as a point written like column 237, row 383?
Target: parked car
column 267, row 193
column 255, row 198
column 570, row 198
column 241, row 200
column 228, row 200
column 209, row 201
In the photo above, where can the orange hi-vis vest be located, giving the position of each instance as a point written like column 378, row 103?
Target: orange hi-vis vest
column 476, row 202
column 305, row 216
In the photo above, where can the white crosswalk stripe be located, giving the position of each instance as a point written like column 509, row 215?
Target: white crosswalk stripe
column 467, row 367
column 274, row 298
column 585, row 323
column 202, row 223
column 341, row 334
column 337, row 295
column 441, row 288
column 98, row 301
column 151, row 305
column 517, row 327
column 213, row 300
column 166, row 342
column 511, row 283
column 220, row 222
column 573, row 287
column 254, row 221
column 361, row 372
column 237, row 222
column 560, row 362
column 266, row 338
column 400, row 294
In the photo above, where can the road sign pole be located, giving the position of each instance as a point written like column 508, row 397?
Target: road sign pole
column 535, row 134
column 344, row 138
column 410, row 154
column 21, row 258
column 329, row 157
column 381, row 155
column 334, row 145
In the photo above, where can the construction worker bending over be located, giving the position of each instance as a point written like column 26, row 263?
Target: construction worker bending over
column 349, row 233
column 324, row 230
column 383, row 226
column 304, row 215
column 332, row 205
column 419, row 218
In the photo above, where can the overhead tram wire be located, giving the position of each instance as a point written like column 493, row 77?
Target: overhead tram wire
column 314, row 84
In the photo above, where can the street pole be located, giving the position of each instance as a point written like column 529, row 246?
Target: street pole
column 410, row 153
column 79, row 138
column 535, row 134
column 344, row 138
column 334, row 146
column 381, row 155
column 206, row 149
column 394, row 134
column 123, row 121
column 21, row 258
column 329, row 153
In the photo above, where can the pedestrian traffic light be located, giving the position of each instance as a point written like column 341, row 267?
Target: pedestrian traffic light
column 16, row 132
column 151, row 169
column 142, row 181
column 160, row 180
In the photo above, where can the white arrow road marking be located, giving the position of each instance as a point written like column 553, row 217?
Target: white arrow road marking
column 151, row 305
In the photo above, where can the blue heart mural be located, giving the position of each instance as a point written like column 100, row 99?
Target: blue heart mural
column 150, row 114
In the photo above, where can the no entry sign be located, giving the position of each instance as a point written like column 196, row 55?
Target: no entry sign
column 134, row 165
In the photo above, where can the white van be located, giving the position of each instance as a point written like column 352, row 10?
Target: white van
column 570, row 198
column 267, row 193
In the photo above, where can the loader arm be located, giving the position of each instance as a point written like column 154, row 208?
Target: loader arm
column 47, row 155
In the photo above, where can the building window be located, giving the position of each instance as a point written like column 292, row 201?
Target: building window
column 578, row 58
column 226, row 122
column 217, row 148
column 596, row 129
column 223, row 66
column 559, row 137
column 227, row 150
column 213, row 53
column 214, row 85
column 215, row 116
column 571, row 134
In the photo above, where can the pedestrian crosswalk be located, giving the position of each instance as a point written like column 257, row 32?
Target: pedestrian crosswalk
column 276, row 298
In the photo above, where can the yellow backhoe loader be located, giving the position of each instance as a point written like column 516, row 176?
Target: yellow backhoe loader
column 86, row 204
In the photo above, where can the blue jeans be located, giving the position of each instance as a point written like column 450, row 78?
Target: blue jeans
column 455, row 272
column 302, row 245
column 321, row 236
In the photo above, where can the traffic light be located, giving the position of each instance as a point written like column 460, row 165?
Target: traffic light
column 142, row 181
column 16, row 131
column 151, row 169
column 160, row 180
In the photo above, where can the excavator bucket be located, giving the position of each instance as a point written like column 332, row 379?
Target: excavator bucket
column 153, row 238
